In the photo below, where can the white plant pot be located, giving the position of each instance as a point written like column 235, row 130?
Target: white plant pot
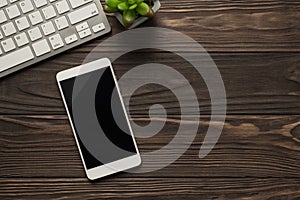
column 140, row 20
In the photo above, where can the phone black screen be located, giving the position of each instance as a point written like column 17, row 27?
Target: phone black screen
column 98, row 117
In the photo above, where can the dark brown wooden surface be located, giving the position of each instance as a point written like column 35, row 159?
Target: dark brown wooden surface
column 152, row 188
column 256, row 46
column 250, row 146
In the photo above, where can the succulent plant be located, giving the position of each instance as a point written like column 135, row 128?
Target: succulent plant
column 131, row 9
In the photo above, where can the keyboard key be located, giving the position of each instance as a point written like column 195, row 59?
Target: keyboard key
column 78, row 3
column 3, row 3
column 13, row 1
column 49, row 12
column 48, row 28
column 26, row 6
column 98, row 27
column 1, row 36
column 41, row 47
column 0, row 51
column 13, row 11
column 61, row 23
column 21, row 39
column 22, row 23
column 3, row 17
column 9, row 29
column 35, row 34
column 40, row 3
column 56, row 41
column 83, row 13
column 8, row 45
column 85, row 33
column 82, row 26
column 15, row 58
column 35, row 18
column 62, row 6
column 70, row 39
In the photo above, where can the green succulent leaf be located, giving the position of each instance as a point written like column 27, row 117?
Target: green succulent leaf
column 128, row 17
column 112, row 3
column 110, row 9
column 139, row 1
column 143, row 9
column 122, row 6
column 132, row 7
column 131, row 2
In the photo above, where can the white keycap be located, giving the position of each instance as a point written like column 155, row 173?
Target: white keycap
column 12, row 1
column 35, row 18
column 41, row 47
column 85, row 33
column 3, row 3
column 62, row 6
column 9, row 29
column 56, row 41
column 40, row 3
column 35, row 34
column 21, row 39
column 61, row 23
column 22, row 23
column 0, row 51
column 82, row 26
column 98, row 27
column 48, row 28
column 1, row 36
column 52, row 1
column 49, row 12
column 13, row 11
column 77, row 3
column 70, row 39
column 26, row 6
column 8, row 45
column 83, row 13
column 15, row 58
column 3, row 17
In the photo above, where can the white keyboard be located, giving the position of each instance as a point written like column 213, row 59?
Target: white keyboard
column 33, row 30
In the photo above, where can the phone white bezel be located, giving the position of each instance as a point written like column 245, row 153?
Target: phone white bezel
column 115, row 166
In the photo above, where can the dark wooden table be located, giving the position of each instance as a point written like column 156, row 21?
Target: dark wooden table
column 255, row 44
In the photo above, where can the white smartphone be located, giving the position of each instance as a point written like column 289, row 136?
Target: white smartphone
column 98, row 118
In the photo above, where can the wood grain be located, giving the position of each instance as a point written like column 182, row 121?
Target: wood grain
column 230, row 26
column 139, row 188
column 255, row 84
column 250, row 146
